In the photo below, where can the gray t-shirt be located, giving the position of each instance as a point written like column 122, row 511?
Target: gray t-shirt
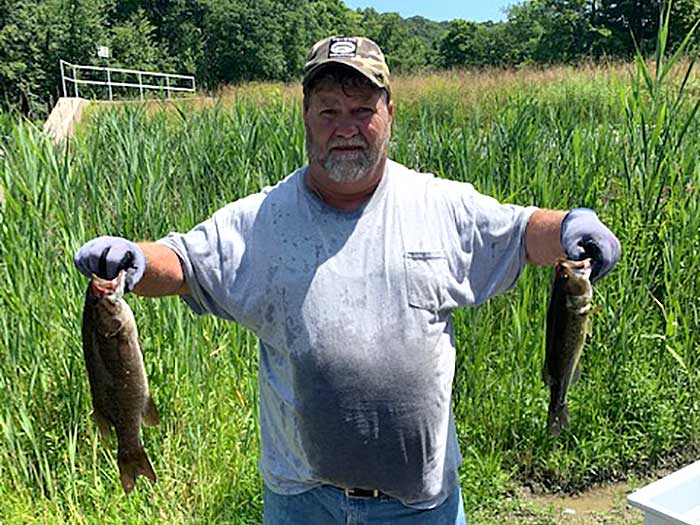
column 353, row 313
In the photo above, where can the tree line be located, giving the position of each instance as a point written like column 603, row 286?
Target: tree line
column 229, row 41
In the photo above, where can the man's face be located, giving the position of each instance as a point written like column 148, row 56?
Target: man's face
column 347, row 134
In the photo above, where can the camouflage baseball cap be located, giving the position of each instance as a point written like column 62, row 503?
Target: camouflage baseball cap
column 357, row 52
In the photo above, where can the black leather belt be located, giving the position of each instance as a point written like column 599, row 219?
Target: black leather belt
column 363, row 493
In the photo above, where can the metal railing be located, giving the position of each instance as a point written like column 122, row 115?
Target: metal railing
column 138, row 75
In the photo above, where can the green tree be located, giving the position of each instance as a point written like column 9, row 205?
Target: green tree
column 82, row 24
column 622, row 17
column 641, row 19
column 294, row 17
column 34, row 36
column 180, row 30
column 410, row 56
column 526, row 28
column 568, row 33
column 73, row 29
column 430, row 33
column 328, row 18
column 20, row 84
column 243, row 41
column 553, row 31
column 133, row 45
column 403, row 51
column 463, row 45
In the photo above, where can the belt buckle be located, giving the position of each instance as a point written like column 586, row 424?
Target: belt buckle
column 362, row 493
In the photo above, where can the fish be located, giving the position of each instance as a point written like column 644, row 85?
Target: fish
column 117, row 376
column 568, row 324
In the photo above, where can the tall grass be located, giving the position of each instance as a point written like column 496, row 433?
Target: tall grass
column 578, row 139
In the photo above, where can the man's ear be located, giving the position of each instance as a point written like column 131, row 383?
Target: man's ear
column 306, row 103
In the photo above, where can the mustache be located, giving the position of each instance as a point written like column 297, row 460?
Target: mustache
column 355, row 143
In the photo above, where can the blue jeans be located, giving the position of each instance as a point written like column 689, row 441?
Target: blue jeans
column 328, row 505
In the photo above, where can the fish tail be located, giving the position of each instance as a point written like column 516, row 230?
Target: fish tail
column 557, row 417
column 131, row 465
column 103, row 424
column 150, row 413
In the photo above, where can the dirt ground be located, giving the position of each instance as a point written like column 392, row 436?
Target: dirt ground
column 602, row 505
column 605, row 505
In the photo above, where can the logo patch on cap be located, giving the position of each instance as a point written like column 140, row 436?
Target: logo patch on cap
column 342, row 47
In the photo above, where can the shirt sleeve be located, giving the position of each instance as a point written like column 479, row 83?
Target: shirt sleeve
column 491, row 242
column 209, row 255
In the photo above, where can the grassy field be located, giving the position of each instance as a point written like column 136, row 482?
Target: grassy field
column 598, row 137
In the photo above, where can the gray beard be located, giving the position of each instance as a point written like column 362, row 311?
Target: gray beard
column 347, row 170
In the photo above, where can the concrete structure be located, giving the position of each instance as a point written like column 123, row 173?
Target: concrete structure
column 673, row 500
column 65, row 114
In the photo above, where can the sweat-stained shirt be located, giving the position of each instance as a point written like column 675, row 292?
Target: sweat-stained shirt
column 353, row 313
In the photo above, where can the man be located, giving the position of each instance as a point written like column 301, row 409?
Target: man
column 348, row 271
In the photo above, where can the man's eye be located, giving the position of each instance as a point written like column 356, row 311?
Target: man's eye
column 328, row 112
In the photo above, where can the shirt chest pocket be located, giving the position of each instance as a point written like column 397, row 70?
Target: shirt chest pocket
column 426, row 278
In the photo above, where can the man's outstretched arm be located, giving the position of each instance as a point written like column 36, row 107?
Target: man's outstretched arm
column 542, row 237
column 576, row 234
column 163, row 274
column 152, row 269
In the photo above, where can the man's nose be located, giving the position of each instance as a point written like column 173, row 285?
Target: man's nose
column 346, row 127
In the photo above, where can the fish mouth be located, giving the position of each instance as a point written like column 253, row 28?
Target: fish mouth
column 105, row 287
column 101, row 290
column 574, row 268
column 102, row 286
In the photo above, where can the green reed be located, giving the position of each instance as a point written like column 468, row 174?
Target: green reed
column 618, row 146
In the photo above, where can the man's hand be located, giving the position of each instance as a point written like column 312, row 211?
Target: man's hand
column 583, row 236
column 106, row 256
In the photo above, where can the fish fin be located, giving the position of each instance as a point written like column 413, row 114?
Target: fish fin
column 545, row 375
column 555, row 305
column 576, row 374
column 151, row 416
column 128, row 481
column 114, row 332
column 587, row 330
column 133, row 466
column 557, row 418
column 103, row 424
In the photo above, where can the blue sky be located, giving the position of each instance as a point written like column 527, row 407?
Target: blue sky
column 475, row 10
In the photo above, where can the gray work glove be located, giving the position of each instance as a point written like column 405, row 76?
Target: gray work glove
column 584, row 236
column 106, row 256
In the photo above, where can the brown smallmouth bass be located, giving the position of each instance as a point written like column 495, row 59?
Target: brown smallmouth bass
column 118, row 382
column 567, row 327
